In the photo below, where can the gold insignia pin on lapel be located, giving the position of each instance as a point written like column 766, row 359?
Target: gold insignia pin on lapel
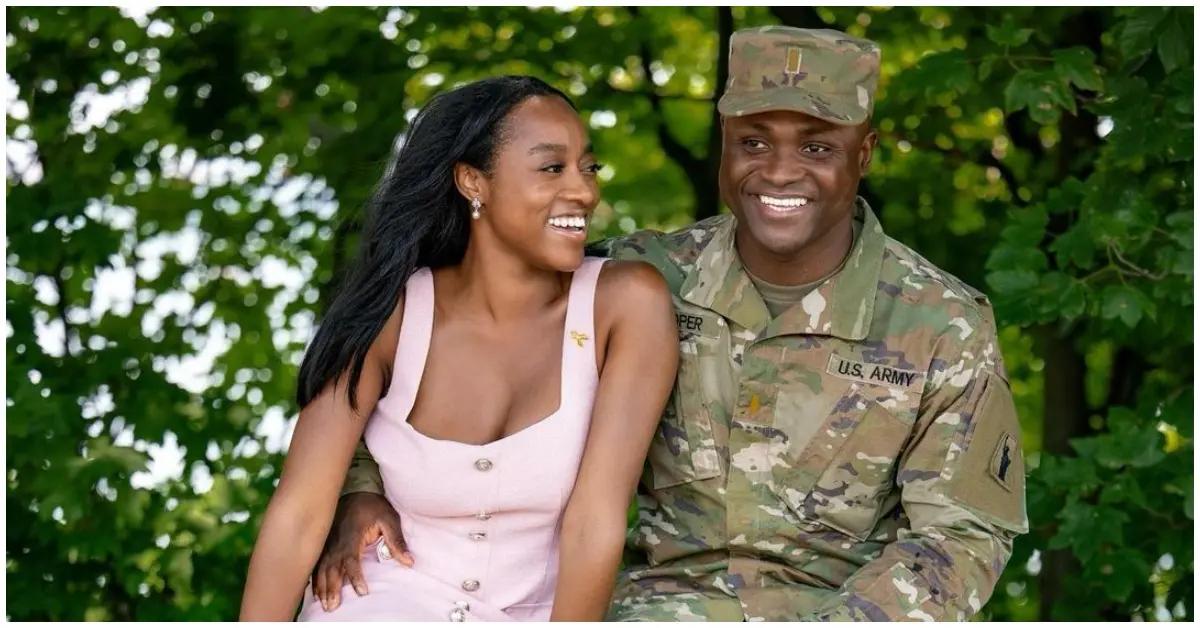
column 579, row 338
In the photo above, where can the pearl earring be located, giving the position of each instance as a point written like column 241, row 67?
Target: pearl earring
column 475, row 205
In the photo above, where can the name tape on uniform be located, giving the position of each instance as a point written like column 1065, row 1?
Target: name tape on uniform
column 868, row 373
column 690, row 324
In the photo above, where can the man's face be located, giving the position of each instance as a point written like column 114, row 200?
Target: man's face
column 791, row 178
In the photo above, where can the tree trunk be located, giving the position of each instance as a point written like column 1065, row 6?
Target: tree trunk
column 708, row 199
column 1064, row 416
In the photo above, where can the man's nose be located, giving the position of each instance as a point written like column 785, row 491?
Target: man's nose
column 783, row 169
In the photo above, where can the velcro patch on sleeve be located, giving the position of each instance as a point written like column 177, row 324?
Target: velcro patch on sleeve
column 870, row 373
column 990, row 478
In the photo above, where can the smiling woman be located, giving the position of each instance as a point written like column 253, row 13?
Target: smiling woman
column 472, row 254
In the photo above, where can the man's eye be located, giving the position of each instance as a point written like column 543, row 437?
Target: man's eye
column 754, row 144
column 816, row 148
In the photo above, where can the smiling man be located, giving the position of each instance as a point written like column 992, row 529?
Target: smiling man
column 842, row 442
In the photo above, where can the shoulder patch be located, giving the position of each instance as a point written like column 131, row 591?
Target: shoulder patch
column 990, row 478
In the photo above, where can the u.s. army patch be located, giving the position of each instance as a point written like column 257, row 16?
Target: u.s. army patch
column 1001, row 467
column 869, row 373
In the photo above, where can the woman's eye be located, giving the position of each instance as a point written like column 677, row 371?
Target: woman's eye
column 594, row 168
column 553, row 168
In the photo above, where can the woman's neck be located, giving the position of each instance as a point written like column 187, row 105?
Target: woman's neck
column 496, row 284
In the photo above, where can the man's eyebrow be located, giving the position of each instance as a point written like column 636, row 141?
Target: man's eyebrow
column 803, row 129
column 547, row 147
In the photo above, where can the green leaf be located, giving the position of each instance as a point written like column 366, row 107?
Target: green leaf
column 1074, row 300
column 1122, row 302
column 1016, row 257
column 1012, row 281
column 1174, row 46
column 944, row 71
column 1137, row 33
column 986, row 65
column 1043, row 93
column 1121, row 571
column 1008, row 33
column 1078, row 65
column 1076, row 246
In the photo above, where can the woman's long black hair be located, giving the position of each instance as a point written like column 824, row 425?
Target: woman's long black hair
column 416, row 217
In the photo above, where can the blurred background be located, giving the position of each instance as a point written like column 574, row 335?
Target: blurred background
column 184, row 185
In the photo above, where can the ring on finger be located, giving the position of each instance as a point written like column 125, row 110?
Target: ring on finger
column 382, row 551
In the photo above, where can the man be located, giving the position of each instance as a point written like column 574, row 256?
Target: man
column 842, row 442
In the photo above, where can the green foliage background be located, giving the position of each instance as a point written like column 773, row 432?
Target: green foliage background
column 1042, row 154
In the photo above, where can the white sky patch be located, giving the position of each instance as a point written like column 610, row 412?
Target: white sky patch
column 166, row 463
column 93, row 108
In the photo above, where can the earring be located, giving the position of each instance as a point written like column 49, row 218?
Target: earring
column 475, row 205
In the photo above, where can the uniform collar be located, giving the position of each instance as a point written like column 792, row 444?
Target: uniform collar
column 841, row 306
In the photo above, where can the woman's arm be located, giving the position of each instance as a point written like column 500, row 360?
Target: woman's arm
column 299, row 513
column 635, row 381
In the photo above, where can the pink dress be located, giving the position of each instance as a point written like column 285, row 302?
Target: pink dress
column 482, row 521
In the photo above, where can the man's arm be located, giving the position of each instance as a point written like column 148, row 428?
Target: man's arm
column 962, row 484
column 363, row 476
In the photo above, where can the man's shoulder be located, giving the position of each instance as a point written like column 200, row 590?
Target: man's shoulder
column 673, row 253
column 930, row 292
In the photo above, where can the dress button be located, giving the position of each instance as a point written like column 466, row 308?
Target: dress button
column 459, row 614
column 483, row 464
column 478, row 536
column 483, row 516
column 470, row 585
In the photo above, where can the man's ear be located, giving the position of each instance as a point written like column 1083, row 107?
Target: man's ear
column 471, row 183
column 867, row 151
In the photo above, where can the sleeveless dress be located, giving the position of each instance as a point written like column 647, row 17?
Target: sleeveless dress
column 482, row 521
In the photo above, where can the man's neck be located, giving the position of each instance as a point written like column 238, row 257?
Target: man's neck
column 812, row 263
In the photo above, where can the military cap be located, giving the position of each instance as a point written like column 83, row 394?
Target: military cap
column 821, row 72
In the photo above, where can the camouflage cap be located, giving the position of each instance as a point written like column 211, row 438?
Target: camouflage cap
column 821, row 72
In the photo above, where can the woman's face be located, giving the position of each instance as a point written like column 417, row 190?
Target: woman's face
column 542, row 189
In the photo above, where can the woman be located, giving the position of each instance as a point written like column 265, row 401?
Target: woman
column 510, row 415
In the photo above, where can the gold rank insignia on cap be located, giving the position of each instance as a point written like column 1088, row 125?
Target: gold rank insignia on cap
column 821, row 72
column 793, row 60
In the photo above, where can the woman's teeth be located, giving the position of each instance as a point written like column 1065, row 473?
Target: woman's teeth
column 783, row 203
column 568, row 222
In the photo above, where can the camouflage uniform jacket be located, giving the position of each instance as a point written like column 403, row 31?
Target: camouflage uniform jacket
column 856, row 458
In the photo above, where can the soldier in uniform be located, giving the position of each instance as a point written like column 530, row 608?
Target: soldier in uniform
column 842, row 442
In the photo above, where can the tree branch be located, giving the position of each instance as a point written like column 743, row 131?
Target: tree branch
column 61, row 287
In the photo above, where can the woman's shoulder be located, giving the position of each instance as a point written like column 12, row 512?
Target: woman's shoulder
column 383, row 348
column 631, row 286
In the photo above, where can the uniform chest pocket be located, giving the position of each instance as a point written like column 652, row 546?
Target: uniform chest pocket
column 684, row 449
column 844, row 478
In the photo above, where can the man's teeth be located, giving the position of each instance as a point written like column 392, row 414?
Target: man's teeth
column 783, row 202
column 568, row 222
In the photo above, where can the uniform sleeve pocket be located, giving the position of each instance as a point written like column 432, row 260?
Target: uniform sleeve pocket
column 684, row 450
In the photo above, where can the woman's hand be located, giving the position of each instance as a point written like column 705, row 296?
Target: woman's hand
column 361, row 520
